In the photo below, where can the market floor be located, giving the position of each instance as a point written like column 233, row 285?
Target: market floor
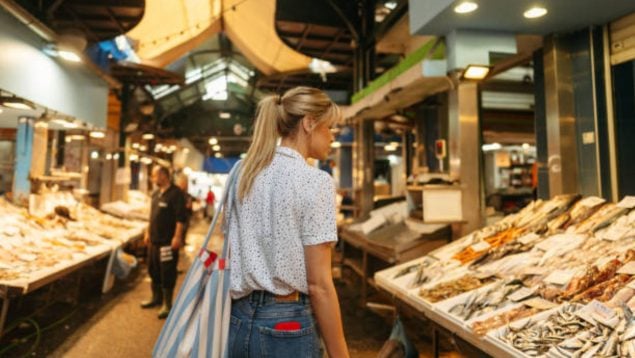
column 113, row 325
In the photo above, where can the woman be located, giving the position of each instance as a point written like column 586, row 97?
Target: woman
column 281, row 227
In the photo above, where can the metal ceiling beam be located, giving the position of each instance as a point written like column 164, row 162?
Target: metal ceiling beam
column 115, row 20
column 310, row 37
column 306, row 31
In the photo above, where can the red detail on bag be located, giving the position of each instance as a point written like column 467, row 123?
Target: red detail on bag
column 221, row 264
column 288, row 326
column 210, row 259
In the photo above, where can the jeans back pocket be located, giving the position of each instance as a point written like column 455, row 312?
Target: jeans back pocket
column 297, row 343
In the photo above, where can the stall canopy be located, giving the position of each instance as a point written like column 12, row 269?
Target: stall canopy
column 170, row 29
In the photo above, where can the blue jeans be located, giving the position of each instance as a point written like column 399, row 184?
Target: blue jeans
column 252, row 333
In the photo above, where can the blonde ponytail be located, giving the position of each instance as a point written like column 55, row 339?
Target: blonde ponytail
column 263, row 144
column 278, row 116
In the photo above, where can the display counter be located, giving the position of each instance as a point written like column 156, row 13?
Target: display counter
column 38, row 250
column 567, row 264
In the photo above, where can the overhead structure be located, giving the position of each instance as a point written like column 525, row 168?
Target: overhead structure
column 171, row 28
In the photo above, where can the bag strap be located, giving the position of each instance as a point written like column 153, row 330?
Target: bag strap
column 228, row 194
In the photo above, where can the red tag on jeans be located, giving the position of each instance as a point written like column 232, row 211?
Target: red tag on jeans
column 287, row 326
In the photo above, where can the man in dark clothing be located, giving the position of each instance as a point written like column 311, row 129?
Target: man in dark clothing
column 164, row 237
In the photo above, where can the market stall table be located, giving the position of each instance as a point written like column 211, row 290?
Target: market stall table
column 390, row 245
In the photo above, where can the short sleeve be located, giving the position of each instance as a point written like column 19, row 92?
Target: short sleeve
column 318, row 212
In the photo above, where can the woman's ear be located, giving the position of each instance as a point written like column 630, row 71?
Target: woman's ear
column 308, row 124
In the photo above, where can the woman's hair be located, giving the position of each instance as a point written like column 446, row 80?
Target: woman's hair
column 279, row 116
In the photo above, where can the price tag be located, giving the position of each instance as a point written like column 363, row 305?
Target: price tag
column 559, row 277
column 628, row 269
column 627, row 203
column 522, row 293
column 529, row 238
column 600, row 313
column 592, row 201
column 539, row 303
column 481, row 246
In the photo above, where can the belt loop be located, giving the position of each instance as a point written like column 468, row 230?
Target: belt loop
column 262, row 298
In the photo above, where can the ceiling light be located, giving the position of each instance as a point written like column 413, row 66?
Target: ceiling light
column 16, row 103
column 135, row 145
column 390, row 148
column 76, row 137
column 116, row 156
column 336, row 145
column 535, row 12
column 526, row 146
column 218, row 155
column 146, row 160
column 491, row 147
column 465, row 7
column 148, row 136
column 97, row 134
column 108, row 156
column 213, row 141
column 69, row 125
column 134, row 157
column 69, row 56
column 476, row 72
column 94, row 154
column 143, row 148
column 394, row 144
column 216, row 148
column 225, row 115
column 390, row 5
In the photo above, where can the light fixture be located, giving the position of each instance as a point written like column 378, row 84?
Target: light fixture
column 218, row 155
column 465, row 7
column 225, row 115
column 535, row 12
column 492, row 147
column 76, row 137
column 146, row 160
column 94, row 154
column 172, row 148
column 526, row 146
column 146, row 108
column 148, row 136
column 108, row 156
column 243, row 156
column 135, row 145
column 69, row 56
column 336, row 145
column 394, row 144
column 390, row 5
column 68, row 139
column 216, row 148
column 69, row 125
column 390, row 148
column 143, row 148
column 116, row 156
column 213, row 141
column 97, row 134
column 134, row 157
column 16, row 103
column 475, row 72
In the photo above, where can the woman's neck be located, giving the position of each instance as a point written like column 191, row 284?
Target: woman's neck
column 296, row 145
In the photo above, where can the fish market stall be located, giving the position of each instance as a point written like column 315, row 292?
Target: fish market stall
column 556, row 279
column 38, row 250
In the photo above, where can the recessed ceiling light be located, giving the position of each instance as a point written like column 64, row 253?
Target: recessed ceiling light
column 98, row 134
column 148, row 136
column 218, row 155
column 476, row 72
column 213, row 141
column 465, row 7
column 216, row 148
column 225, row 115
column 535, row 12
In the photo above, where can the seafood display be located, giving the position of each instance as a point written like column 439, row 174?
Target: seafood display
column 504, row 280
column 493, row 298
column 33, row 246
column 453, row 288
column 482, row 327
column 536, row 337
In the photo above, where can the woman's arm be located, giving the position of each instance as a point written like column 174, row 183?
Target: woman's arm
column 324, row 298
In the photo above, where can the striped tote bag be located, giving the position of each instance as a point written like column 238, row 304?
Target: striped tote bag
column 198, row 323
